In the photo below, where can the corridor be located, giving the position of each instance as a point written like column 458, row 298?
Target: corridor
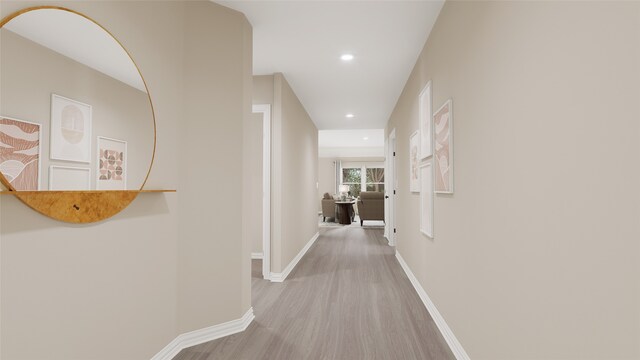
column 348, row 298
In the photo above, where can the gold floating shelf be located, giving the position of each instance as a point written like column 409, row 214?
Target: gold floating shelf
column 79, row 206
column 9, row 192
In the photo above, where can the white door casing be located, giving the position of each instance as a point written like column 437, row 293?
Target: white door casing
column 265, row 110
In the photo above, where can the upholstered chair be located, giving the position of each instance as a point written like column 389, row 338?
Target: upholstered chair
column 371, row 206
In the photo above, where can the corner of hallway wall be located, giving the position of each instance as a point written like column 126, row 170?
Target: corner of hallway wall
column 535, row 237
column 213, row 258
column 296, row 158
column 294, row 169
column 248, row 116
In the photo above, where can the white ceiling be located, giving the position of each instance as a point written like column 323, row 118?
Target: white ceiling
column 304, row 40
column 351, row 143
column 79, row 39
column 351, row 138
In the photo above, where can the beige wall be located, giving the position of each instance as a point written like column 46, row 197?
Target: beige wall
column 263, row 89
column 169, row 263
column 326, row 178
column 118, row 110
column 298, row 158
column 294, row 169
column 536, row 255
column 213, row 257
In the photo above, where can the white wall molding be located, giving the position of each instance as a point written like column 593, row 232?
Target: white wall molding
column 445, row 330
column 196, row 337
column 280, row 277
column 257, row 255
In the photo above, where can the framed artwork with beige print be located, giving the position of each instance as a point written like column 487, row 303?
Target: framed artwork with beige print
column 443, row 144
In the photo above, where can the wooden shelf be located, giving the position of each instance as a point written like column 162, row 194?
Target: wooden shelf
column 8, row 192
column 79, row 206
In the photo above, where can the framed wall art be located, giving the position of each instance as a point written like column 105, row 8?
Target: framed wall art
column 70, row 130
column 424, row 114
column 69, row 178
column 426, row 199
column 414, row 162
column 443, row 162
column 20, row 153
column 111, row 171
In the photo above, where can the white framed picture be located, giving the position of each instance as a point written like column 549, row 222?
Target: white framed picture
column 20, row 159
column 69, row 178
column 111, row 172
column 70, row 130
column 426, row 199
column 426, row 123
column 443, row 159
column 414, row 162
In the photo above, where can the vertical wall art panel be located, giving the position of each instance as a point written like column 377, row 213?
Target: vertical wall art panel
column 424, row 113
column 426, row 199
column 69, row 178
column 414, row 161
column 70, row 130
column 443, row 131
column 111, row 171
column 20, row 153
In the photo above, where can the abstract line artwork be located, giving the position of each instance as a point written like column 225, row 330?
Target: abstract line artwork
column 443, row 124
column 424, row 111
column 112, row 158
column 20, row 153
column 414, row 161
column 111, row 162
column 70, row 130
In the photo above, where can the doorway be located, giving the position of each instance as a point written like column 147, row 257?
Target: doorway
column 265, row 111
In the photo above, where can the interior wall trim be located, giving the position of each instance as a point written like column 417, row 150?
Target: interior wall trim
column 280, row 277
column 445, row 330
column 257, row 255
column 196, row 337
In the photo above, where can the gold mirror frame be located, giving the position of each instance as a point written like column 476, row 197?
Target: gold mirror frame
column 80, row 206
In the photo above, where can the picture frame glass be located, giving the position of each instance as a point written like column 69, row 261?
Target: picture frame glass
column 111, row 173
column 426, row 199
column 443, row 157
column 414, row 162
column 425, row 119
column 70, row 130
column 20, row 158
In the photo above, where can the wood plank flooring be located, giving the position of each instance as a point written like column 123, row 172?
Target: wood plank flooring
column 347, row 299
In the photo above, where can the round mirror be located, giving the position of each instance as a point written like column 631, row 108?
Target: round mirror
column 75, row 113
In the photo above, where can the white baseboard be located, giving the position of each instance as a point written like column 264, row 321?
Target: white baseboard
column 279, row 277
column 445, row 330
column 257, row 255
column 196, row 337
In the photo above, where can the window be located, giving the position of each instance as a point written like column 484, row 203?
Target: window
column 375, row 179
column 353, row 178
column 372, row 181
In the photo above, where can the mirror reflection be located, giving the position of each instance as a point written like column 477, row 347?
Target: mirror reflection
column 74, row 110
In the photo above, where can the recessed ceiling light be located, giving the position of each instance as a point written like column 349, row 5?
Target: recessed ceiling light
column 365, row 138
column 350, row 115
column 346, row 57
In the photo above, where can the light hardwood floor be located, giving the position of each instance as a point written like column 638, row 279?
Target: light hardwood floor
column 348, row 298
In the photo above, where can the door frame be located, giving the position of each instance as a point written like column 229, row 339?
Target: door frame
column 391, row 182
column 265, row 110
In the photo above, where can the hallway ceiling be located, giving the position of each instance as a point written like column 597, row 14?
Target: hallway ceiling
column 305, row 39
